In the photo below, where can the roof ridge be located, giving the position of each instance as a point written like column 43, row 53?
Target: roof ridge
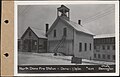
column 78, row 28
column 104, row 35
column 37, row 28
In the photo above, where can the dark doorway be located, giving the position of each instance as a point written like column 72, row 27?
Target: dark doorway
column 29, row 45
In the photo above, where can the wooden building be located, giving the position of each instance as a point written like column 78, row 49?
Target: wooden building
column 104, row 47
column 33, row 40
column 68, row 37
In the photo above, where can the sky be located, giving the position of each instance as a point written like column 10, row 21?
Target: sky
column 97, row 18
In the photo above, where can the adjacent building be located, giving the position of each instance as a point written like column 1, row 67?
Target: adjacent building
column 33, row 40
column 104, row 47
column 68, row 37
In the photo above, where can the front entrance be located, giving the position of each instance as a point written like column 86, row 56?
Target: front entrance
column 27, row 45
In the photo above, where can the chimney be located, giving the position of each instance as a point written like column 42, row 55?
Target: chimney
column 47, row 27
column 79, row 22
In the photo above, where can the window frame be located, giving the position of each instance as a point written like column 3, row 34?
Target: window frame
column 65, row 31
column 54, row 33
column 85, row 45
column 90, row 46
column 80, row 47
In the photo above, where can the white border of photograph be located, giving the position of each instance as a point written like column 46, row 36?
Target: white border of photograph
column 16, row 3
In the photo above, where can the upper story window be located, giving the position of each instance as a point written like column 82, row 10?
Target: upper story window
column 80, row 47
column 90, row 46
column 54, row 33
column 103, row 47
column 64, row 31
column 29, row 33
column 113, row 47
column 85, row 46
column 94, row 55
column 99, row 56
column 94, row 47
column 113, row 57
column 103, row 56
column 97, row 48
column 108, row 47
column 108, row 56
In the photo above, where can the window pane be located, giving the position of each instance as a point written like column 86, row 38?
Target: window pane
column 103, row 47
column 108, row 47
column 103, row 56
column 80, row 46
column 99, row 56
column 94, row 55
column 29, row 33
column 113, row 47
column 64, row 32
column 94, row 47
column 113, row 57
column 54, row 33
column 90, row 46
column 85, row 46
column 108, row 56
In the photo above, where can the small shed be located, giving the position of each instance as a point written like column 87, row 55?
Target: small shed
column 33, row 40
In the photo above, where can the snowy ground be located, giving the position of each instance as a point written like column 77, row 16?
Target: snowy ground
column 26, row 58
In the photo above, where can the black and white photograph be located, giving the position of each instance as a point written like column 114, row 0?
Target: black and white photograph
column 60, row 37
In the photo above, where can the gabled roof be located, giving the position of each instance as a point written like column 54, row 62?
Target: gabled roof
column 105, row 35
column 78, row 27
column 74, row 25
column 39, row 33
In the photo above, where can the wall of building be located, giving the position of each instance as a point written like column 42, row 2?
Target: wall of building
column 19, row 45
column 83, row 38
column 27, row 37
column 105, row 48
column 42, row 46
column 66, row 47
column 59, row 31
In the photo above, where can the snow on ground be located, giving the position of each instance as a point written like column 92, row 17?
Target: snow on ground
column 43, row 59
column 26, row 58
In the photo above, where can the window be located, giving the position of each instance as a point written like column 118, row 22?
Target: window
column 85, row 46
column 108, row 47
column 113, row 57
column 54, row 33
column 99, row 56
column 103, row 47
column 113, row 47
column 90, row 46
column 29, row 33
column 65, row 32
column 80, row 47
column 94, row 55
column 103, row 56
column 108, row 56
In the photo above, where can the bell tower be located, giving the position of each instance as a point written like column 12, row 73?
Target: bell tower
column 63, row 11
